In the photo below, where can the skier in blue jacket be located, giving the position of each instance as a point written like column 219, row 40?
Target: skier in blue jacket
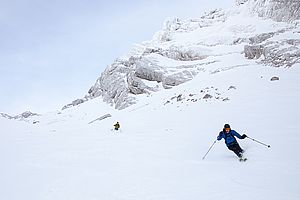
column 230, row 141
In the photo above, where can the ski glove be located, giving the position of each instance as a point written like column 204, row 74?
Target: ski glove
column 244, row 136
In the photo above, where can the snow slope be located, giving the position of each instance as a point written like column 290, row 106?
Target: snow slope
column 157, row 155
column 158, row 152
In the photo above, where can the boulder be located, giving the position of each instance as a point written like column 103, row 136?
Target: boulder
column 274, row 78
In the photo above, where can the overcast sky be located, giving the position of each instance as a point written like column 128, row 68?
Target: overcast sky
column 52, row 51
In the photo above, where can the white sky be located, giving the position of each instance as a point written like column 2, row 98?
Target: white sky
column 52, row 51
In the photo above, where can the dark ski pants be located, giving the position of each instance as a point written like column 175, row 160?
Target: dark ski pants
column 236, row 149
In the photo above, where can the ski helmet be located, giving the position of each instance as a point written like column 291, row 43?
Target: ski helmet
column 226, row 126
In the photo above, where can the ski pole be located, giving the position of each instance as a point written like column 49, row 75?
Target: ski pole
column 209, row 149
column 258, row 142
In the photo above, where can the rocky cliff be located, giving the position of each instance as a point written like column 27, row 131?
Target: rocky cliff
column 278, row 10
column 183, row 48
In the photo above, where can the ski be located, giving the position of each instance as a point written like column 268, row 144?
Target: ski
column 243, row 159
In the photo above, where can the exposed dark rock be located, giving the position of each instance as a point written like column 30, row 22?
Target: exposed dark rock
column 179, row 97
column 274, row 78
column 232, row 87
column 207, row 96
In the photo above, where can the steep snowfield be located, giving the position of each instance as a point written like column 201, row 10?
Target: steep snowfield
column 158, row 152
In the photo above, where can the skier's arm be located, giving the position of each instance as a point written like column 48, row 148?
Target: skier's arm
column 220, row 136
column 236, row 134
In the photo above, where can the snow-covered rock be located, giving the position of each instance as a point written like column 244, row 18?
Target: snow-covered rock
column 125, row 78
column 75, row 103
column 100, row 118
column 282, row 53
column 184, row 48
column 254, row 51
column 21, row 116
column 278, row 10
column 281, row 48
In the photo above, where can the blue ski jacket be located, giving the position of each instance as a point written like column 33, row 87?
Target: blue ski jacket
column 229, row 137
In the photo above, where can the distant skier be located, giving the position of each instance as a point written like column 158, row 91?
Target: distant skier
column 230, row 141
column 117, row 126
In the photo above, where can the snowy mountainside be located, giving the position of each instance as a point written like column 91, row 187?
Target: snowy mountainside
column 157, row 154
column 220, row 77
column 184, row 48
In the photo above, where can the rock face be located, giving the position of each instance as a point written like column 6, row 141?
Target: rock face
column 281, row 52
column 278, row 10
column 254, row 51
column 125, row 78
column 184, row 48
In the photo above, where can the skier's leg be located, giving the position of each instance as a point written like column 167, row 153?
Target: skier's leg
column 236, row 149
column 239, row 149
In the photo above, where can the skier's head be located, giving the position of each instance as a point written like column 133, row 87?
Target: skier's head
column 227, row 127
